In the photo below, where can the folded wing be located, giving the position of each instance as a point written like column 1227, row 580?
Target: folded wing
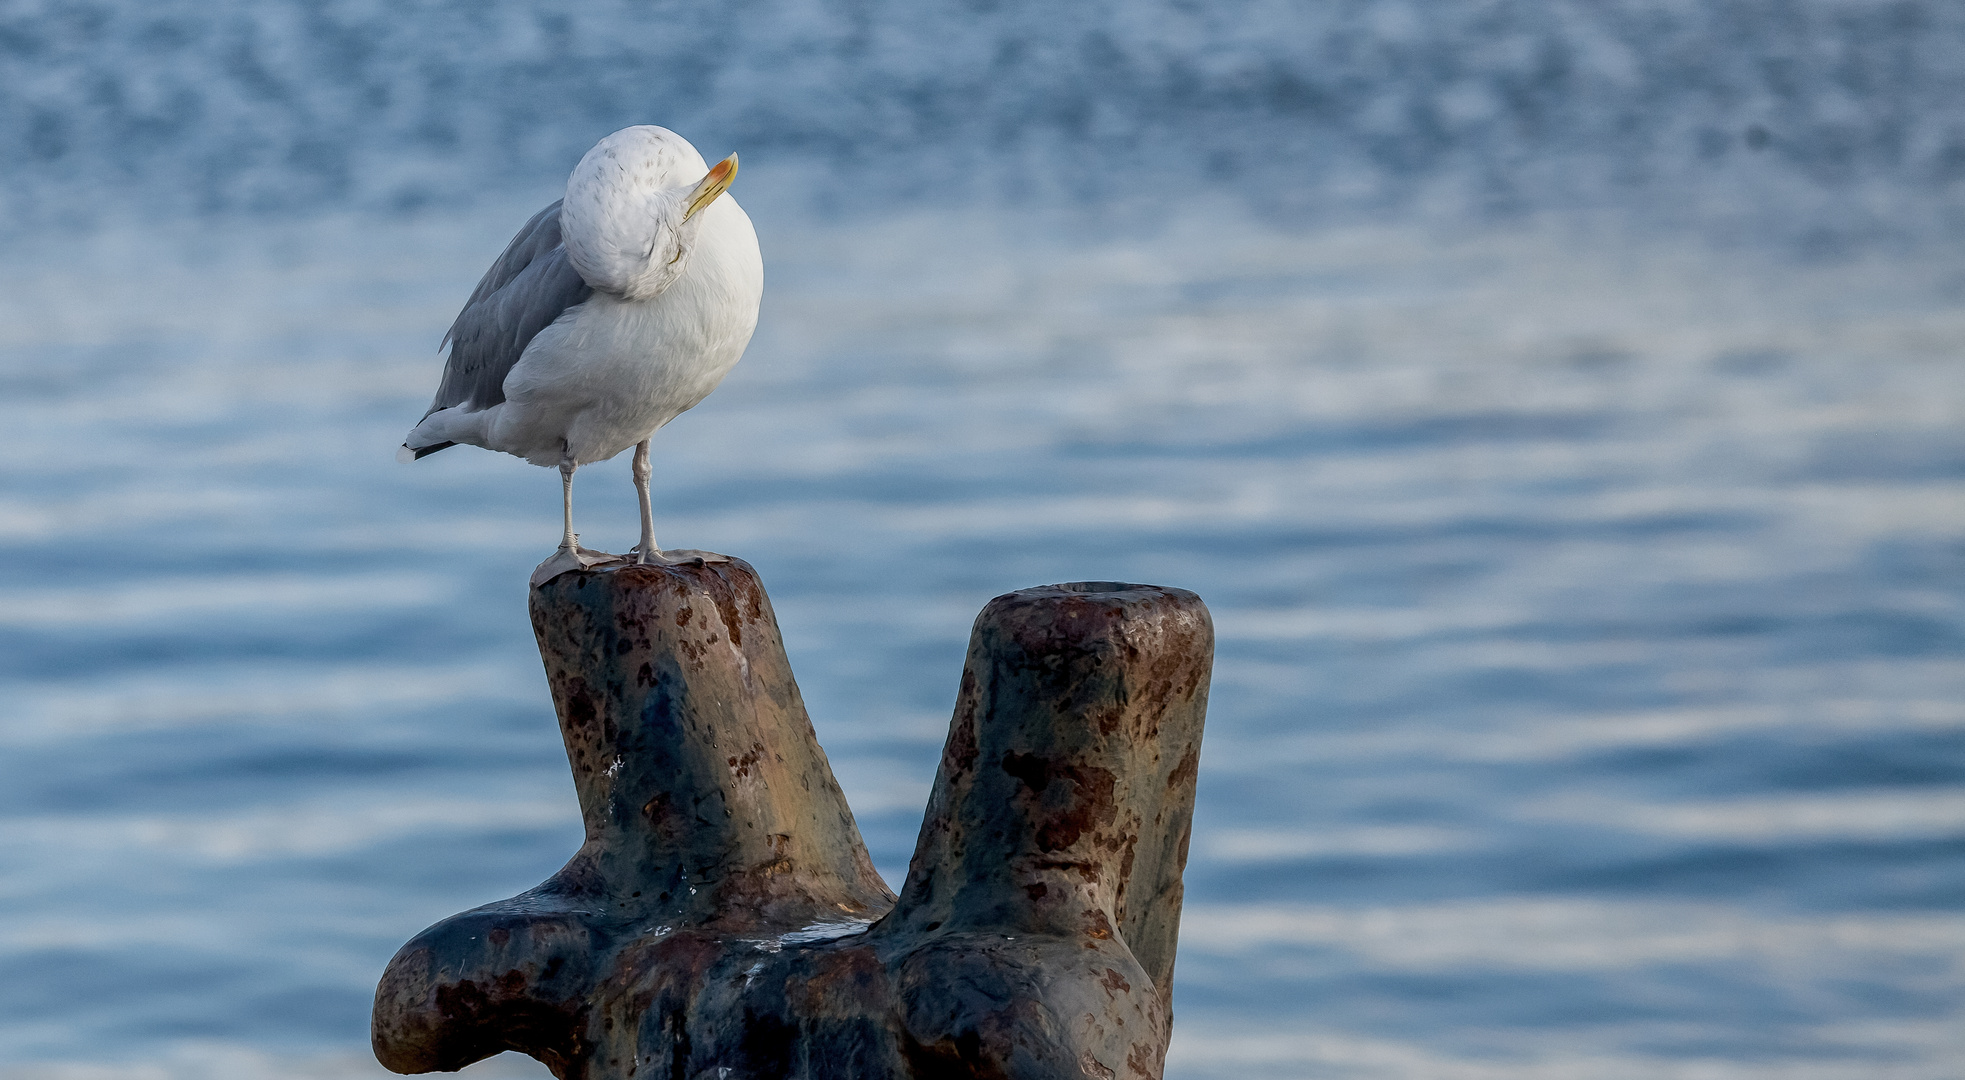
column 528, row 287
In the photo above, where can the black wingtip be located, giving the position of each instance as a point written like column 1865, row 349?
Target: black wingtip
column 410, row 453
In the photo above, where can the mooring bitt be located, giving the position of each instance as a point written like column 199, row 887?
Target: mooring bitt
column 722, row 918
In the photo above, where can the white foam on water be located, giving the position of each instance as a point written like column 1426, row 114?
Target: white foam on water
column 220, row 1060
column 1876, row 816
column 136, row 604
column 251, row 695
column 268, row 832
column 1266, row 1053
column 1574, row 934
column 1282, row 845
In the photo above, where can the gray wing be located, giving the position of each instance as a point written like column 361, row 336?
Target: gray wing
column 529, row 286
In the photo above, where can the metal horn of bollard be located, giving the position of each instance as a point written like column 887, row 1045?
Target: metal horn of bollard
column 722, row 919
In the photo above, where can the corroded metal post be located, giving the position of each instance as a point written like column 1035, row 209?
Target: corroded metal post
column 723, row 920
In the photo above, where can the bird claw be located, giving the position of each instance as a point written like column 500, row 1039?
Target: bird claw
column 638, row 557
column 675, row 557
column 566, row 559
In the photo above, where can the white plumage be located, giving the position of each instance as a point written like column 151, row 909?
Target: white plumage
column 611, row 312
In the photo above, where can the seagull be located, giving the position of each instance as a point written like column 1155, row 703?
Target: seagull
column 612, row 312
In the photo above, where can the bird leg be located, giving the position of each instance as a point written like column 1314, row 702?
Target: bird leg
column 570, row 556
column 572, row 541
column 646, row 552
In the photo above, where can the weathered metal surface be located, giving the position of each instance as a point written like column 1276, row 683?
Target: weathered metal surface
column 716, row 921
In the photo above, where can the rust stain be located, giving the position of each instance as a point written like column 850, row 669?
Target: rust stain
column 1109, row 719
column 747, row 763
column 1092, row 807
column 1034, row 771
column 1089, row 871
column 579, row 710
column 843, row 982
column 719, row 590
column 1186, row 771
column 959, row 1058
column 960, row 754
column 753, row 595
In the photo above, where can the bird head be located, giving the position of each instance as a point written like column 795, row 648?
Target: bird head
column 634, row 206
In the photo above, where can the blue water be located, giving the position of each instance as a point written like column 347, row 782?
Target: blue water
column 1824, row 122
column 1589, row 564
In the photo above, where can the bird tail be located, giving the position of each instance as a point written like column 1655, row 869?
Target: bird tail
column 409, row 453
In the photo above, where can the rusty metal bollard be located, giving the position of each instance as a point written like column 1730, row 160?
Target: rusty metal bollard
column 723, row 920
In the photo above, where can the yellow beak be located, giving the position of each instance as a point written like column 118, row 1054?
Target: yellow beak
column 713, row 185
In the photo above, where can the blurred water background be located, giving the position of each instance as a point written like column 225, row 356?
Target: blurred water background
column 1558, row 403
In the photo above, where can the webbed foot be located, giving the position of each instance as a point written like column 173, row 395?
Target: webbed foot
column 674, row 557
column 575, row 558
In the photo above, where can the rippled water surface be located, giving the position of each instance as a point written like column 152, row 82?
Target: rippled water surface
column 1588, row 699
